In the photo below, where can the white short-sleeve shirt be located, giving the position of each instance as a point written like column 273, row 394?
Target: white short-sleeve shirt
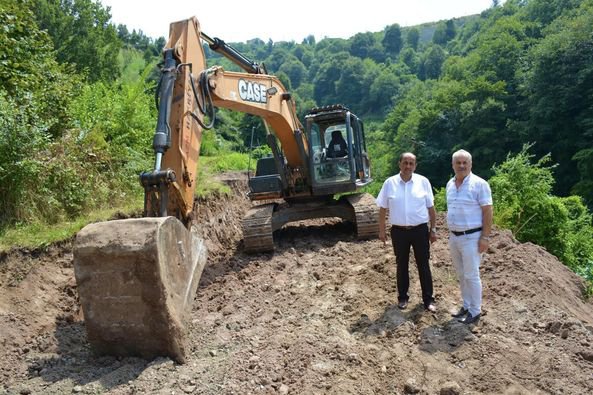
column 464, row 204
column 408, row 202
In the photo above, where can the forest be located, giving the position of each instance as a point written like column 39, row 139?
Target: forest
column 513, row 86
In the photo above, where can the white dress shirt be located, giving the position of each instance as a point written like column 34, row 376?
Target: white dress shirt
column 464, row 204
column 408, row 202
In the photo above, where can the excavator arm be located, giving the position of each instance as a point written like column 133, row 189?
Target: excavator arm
column 137, row 277
column 187, row 96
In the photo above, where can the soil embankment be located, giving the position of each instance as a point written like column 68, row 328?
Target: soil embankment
column 318, row 316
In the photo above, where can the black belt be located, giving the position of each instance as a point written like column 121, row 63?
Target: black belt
column 466, row 232
column 407, row 227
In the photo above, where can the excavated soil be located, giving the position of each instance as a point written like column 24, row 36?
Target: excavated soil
column 318, row 316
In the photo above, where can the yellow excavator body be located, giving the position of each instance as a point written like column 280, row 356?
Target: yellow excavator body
column 137, row 277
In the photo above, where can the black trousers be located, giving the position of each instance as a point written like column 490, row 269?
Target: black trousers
column 419, row 239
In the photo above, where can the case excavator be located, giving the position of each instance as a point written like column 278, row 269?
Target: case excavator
column 137, row 277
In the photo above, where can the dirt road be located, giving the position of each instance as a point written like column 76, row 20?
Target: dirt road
column 318, row 316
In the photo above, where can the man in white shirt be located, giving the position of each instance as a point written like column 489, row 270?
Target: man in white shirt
column 469, row 218
column 412, row 216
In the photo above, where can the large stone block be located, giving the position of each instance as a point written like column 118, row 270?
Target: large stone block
column 136, row 280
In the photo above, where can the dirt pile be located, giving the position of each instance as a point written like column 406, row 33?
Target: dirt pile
column 316, row 317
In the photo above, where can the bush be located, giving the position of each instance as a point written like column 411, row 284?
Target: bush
column 522, row 195
column 440, row 199
column 20, row 166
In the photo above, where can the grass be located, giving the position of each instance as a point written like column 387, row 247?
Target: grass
column 226, row 162
column 40, row 235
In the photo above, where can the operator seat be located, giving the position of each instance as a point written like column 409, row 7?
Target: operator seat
column 337, row 147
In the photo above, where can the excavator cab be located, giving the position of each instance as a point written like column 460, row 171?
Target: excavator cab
column 335, row 156
column 338, row 156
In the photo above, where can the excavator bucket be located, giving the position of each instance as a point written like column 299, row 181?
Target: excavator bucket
column 136, row 280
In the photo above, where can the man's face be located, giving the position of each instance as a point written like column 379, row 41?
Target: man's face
column 407, row 165
column 462, row 166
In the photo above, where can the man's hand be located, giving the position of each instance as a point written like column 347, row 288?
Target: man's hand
column 382, row 235
column 433, row 237
column 483, row 245
column 382, row 213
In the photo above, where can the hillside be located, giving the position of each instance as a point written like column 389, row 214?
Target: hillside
column 316, row 317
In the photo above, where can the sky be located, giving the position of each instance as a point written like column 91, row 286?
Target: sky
column 239, row 21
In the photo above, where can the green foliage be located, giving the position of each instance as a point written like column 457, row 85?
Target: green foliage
column 392, row 41
column 584, row 187
column 81, row 34
column 29, row 73
column 20, row 165
column 524, row 203
column 361, row 44
column 440, row 199
column 444, row 32
column 413, row 37
column 433, row 62
column 38, row 235
column 559, row 90
column 226, row 161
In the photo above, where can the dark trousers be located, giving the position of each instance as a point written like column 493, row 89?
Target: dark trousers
column 418, row 238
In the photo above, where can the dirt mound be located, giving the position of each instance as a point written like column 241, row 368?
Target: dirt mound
column 316, row 317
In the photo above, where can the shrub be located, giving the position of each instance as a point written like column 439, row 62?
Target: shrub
column 524, row 203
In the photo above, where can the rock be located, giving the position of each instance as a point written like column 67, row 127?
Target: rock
column 469, row 338
column 77, row 389
column 411, row 387
column 213, row 353
column 157, row 258
column 450, row 388
column 587, row 355
column 283, row 390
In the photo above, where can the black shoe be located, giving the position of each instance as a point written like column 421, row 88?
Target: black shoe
column 402, row 304
column 461, row 313
column 470, row 319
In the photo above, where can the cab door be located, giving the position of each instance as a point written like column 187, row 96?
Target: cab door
column 362, row 161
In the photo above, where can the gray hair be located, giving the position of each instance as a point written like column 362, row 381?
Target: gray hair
column 462, row 153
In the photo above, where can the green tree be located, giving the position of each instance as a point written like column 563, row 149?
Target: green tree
column 29, row 73
column 413, row 38
column 559, row 91
column 524, row 203
column 434, row 58
column 440, row 34
column 409, row 57
column 392, row 40
column 361, row 44
column 82, row 35
column 327, row 75
column 295, row 70
column 350, row 87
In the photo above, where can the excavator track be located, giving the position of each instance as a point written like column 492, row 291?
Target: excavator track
column 366, row 215
column 261, row 221
column 257, row 228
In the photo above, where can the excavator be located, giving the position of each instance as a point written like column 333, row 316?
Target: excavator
column 137, row 277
